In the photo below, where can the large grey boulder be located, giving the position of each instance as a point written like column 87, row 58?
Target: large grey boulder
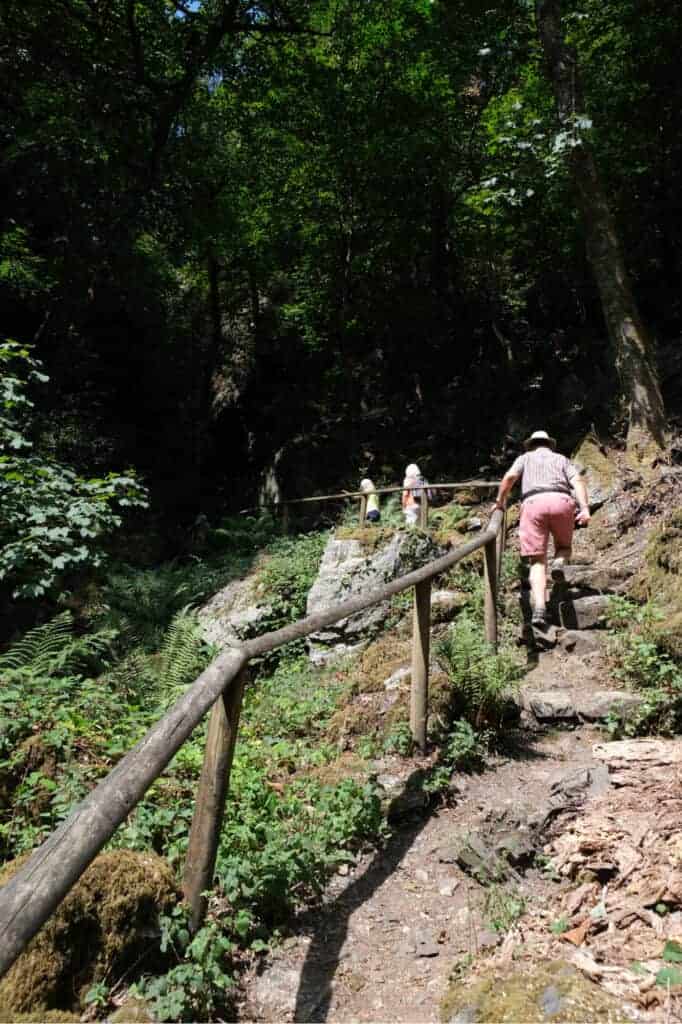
column 346, row 572
column 235, row 613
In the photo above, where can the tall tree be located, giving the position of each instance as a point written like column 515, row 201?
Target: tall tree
column 632, row 343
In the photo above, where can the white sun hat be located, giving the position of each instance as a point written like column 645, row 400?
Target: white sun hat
column 413, row 470
column 539, row 436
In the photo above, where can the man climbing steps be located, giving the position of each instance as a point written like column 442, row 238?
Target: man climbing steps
column 548, row 480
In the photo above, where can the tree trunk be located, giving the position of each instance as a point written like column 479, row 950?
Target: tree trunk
column 632, row 344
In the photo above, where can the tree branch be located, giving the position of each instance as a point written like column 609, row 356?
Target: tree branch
column 138, row 52
column 272, row 29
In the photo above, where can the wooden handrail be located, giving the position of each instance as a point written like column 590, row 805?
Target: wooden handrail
column 465, row 485
column 37, row 889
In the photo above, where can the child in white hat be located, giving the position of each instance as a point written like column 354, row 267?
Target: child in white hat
column 412, row 485
column 372, row 515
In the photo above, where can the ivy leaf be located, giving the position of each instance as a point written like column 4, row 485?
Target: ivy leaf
column 672, row 952
column 669, row 976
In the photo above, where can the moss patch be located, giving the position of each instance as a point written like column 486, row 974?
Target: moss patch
column 41, row 1017
column 554, row 992
column 371, row 538
column 133, row 1011
column 379, row 661
column 469, row 498
column 600, row 475
column 106, row 924
column 663, row 579
column 347, row 766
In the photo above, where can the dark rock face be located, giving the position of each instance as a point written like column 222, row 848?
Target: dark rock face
column 600, row 476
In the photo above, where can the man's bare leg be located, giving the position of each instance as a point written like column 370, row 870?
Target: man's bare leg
column 538, row 586
column 562, row 556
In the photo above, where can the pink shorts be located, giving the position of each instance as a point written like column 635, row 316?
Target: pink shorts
column 544, row 514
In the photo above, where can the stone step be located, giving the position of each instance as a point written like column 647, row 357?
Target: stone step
column 579, row 641
column 573, row 641
column 562, row 705
column 585, row 612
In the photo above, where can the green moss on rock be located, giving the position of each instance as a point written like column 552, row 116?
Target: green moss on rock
column 371, row 538
column 133, row 1011
column 663, row 580
column 553, row 992
column 107, row 923
column 379, row 661
column 600, row 474
column 41, row 1017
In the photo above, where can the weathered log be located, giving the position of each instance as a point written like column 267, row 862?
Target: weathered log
column 490, row 609
column 421, row 634
column 211, row 796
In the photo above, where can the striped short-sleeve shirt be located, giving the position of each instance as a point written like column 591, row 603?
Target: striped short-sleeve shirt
column 544, row 470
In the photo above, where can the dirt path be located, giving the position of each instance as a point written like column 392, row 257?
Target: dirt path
column 384, row 945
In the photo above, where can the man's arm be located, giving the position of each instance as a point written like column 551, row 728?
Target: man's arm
column 506, row 484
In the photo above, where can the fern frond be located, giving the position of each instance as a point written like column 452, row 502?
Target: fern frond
column 41, row 645
column 183, row 654
column 52, row 649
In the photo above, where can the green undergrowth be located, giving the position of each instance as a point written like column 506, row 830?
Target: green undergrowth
column 73, row 703
column 288, row 569
column 139, row 604
column 301, row 802
column 643, row 661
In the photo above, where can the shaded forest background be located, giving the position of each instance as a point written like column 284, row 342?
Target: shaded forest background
column 324, row 237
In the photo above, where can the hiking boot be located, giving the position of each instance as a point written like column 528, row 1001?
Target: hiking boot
column 557, row 570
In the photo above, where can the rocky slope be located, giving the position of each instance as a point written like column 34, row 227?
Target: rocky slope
column 550, row 872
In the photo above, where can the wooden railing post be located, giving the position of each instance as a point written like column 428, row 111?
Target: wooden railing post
column 211, row 796
column 421, row 635
column 490, row 610
column 363, row 509
column 501, row 541
column 424, row 509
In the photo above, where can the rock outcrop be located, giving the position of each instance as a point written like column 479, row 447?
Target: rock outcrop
column 346, row 572
column 554, row 991
column 234, row 613
column 599, row 474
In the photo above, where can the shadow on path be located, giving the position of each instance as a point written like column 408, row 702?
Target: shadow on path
column 330, row 925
